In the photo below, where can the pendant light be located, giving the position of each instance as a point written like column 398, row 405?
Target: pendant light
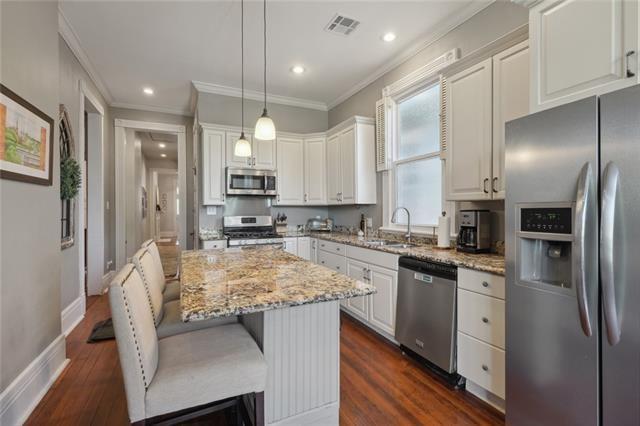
column 265, row 129
column 242, row 147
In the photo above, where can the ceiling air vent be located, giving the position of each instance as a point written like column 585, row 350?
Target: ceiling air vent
column 342, row 25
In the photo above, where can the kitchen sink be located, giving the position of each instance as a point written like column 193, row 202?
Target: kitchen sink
column 401, row 245
column 388, row 243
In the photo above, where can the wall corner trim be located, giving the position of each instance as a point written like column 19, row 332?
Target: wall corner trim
column 22, row 396
column 72, row 315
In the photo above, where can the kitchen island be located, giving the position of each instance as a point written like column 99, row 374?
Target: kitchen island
column 291, row 307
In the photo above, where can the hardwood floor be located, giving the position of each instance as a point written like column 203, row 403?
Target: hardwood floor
column 379, row 386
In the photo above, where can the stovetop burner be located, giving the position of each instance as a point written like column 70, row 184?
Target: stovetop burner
column 250, row 230
column 250, row 234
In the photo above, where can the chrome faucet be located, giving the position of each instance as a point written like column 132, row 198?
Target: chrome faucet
column 394, row 219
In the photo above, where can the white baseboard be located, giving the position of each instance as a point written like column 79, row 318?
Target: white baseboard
column 106, row 280
column 22, row 396
column 488, row 397
column 322, row 416
column 72, row 315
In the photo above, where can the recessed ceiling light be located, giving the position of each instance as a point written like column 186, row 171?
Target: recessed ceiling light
column 298, row 69
column 163, row 155
column 148, row 91
column 389, row 37
column 161, row 145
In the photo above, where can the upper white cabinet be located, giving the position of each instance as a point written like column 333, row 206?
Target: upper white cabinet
column 510, row 101
column 581, row 48
column 479, row 101
column 315, row 171
column 290, row 154
column 263, row 153
column 469, row 118
column 351, row 177
column 213, row 155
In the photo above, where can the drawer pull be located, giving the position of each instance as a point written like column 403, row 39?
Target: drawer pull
column 322, row 261
column 485, row 320
column 337, row 267
column 485, row 368
column 485, row 284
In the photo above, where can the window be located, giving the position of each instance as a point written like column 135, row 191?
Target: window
column 416, row 172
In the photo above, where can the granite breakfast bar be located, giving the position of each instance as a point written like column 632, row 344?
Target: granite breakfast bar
column 291, row 307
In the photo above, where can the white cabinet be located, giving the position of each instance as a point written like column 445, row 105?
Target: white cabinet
column 510, row 101
column 315, row 171
column 382, row 306
column 359, row 306
column 290, row 154
column 351, row 172
column 213, row 244
column 581, row 48
column 333, row 261
column 213, row 156
column 314, row 250
column 304, row 248
column 469, row 117
column 263, row 153
column 291, row 245
column 479, row 101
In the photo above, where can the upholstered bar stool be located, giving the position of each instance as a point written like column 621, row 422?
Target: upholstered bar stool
column 167, row 316
column 184, row 376
column 171, row 289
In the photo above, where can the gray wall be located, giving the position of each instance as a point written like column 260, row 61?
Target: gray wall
column 71, row 72
column 29, row 214
column 498, row 19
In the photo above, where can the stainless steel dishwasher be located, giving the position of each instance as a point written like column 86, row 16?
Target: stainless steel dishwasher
column 426, row 311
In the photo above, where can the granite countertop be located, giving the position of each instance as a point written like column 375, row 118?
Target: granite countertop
column 485, row 262
column 236, row 281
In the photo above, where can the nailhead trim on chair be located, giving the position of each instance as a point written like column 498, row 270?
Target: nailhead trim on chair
column 135, row 339
column 146, row 287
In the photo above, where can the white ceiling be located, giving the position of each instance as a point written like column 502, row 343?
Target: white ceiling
column 150, row 144
column 167, row 44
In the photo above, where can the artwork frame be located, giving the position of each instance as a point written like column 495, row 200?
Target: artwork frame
column 12, row 105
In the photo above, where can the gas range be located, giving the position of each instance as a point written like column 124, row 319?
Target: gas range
column 250, row 231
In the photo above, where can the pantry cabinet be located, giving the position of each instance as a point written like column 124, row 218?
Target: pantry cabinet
column 581, row 48
column 479, row 101
column 351, row 162
column 213, row 173
column 290, row 155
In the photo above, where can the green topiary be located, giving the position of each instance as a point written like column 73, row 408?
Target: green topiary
column 70, row 178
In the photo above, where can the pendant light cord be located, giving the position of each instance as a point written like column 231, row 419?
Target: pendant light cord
column 242, row 62
column 264, row 14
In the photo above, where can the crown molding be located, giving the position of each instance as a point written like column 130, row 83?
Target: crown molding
column 255, row 95
column 72, row 40
column 440, row 31
column 173, row 111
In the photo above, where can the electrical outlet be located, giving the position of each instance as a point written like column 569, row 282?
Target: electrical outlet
column 369, row 221
column 211, row 210
column 107, row 206
column 109, row 265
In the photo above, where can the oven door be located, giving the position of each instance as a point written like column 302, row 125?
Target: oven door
column 251, row 182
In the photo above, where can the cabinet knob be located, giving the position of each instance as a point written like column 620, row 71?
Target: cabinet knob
column 337, row 267
column 322, row 261
column 485, row 368
column 485, row 284
column 485, row 320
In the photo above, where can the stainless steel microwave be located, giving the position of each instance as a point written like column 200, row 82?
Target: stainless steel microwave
column 250, row 181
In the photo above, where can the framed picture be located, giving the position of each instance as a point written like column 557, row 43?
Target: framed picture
column 26, row 140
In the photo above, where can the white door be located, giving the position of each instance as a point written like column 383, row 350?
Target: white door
column 358, row 305
column 334, row 170
column 232, row 159
column 291, row 245
column 213, row 150
column 348, row 166
column 579, row 48
column 469, row 121
column 304, row 248
column 315, row 167
column 510, row 101
column 290, row 171
column 264, row 154
column 382, row 306
column 168, row 196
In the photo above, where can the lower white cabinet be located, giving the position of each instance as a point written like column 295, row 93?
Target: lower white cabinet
column 304, row 248
column 481, row 363
column 213, row 244
column 382, row 310
column 314, row 250
column 291, row 245
column 358, row 305
column 332, row 261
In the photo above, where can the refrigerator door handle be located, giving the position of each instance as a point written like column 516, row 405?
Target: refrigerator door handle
column 609, row 191
column 582, row 200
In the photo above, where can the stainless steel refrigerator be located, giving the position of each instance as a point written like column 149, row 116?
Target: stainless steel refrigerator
column 573, row 263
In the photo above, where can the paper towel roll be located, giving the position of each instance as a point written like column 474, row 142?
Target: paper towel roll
column 444, row 233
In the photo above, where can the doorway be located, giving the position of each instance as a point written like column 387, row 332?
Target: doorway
column 150, row 157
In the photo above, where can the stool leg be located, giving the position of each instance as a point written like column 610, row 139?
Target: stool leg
column 259, row 409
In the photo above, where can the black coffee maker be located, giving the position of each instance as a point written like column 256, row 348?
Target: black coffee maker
column 474, row 235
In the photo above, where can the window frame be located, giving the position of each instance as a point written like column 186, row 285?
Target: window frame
column 390, row 193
